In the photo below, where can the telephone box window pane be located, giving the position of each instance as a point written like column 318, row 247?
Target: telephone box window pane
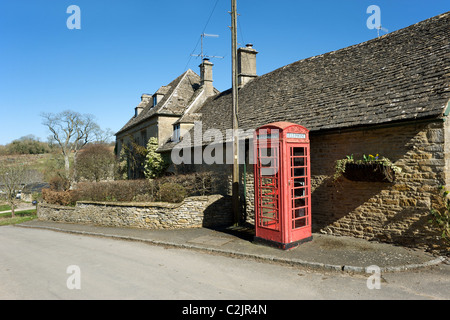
column 298, row 152
column 269, row 203
column 267, row 191
column 267, row 172
column 299, row 213
column 299, row 202
column 299, row 182
column 299, row 192
column 268, row 213
column 299, row 223
column 298, row 172
column 267, row 152
column 268, row 223
column 298, row 162
column 268, row 198
column 268, row 182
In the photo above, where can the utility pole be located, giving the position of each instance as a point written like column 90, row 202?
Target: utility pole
column 235, row 177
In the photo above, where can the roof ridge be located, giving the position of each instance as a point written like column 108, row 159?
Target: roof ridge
column 352, row 47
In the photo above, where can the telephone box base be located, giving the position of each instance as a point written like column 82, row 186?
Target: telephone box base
column 279, row 245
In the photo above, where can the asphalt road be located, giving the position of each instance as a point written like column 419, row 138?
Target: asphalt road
column 48, row 265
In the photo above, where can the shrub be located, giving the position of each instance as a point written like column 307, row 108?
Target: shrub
column 172, row 192
column 440, row 217
column 132, row 158
column 59, row 183
column 196, row 184
column 154, row 164
column 63, row 198
column 28, row 145
column 95, row 162
column 168, row 189
column 122, row 190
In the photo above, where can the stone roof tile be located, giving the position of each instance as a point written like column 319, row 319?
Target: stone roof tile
column 177, row 95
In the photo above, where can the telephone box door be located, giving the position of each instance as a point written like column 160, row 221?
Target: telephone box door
column 298, row 193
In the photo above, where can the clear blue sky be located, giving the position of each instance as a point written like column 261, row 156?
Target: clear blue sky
column 126, row 48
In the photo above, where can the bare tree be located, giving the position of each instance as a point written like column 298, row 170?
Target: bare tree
column 12, row 178
column 104, row 136
column 71, row 131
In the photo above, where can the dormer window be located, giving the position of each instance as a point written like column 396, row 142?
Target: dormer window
column 159, row 95
column 138, row 110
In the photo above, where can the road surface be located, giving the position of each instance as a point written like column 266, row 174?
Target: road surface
column 43, row 264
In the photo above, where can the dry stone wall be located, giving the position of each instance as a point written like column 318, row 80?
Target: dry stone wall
column 193, row 212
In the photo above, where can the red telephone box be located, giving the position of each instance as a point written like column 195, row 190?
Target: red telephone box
column 282, row 185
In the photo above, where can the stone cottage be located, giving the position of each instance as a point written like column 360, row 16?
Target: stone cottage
column 387, row 96
column 156, row 115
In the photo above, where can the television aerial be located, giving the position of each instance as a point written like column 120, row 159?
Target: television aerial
column 380, row 28
column 202, row 54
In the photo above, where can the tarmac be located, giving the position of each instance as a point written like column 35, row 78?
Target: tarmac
column 323, row 252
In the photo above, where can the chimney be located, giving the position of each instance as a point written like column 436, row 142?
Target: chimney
column 145, row 99
column 246, row 64
column 206, row 76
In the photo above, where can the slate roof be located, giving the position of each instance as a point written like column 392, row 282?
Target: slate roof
column 403, row 75
column 177, row 95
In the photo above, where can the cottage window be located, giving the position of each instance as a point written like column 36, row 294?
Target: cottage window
column 176, row 132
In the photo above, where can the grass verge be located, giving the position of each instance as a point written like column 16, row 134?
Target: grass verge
column 22, row 216
column 5, row 207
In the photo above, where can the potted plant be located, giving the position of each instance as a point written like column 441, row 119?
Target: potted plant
column 370, row 168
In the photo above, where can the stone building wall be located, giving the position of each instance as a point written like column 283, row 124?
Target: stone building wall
column 193, row 212
column 447, row 150
column 392, row 212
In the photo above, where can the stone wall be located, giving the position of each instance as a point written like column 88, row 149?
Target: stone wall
column 447, row 150
column 391, row 212
column 193, row 212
